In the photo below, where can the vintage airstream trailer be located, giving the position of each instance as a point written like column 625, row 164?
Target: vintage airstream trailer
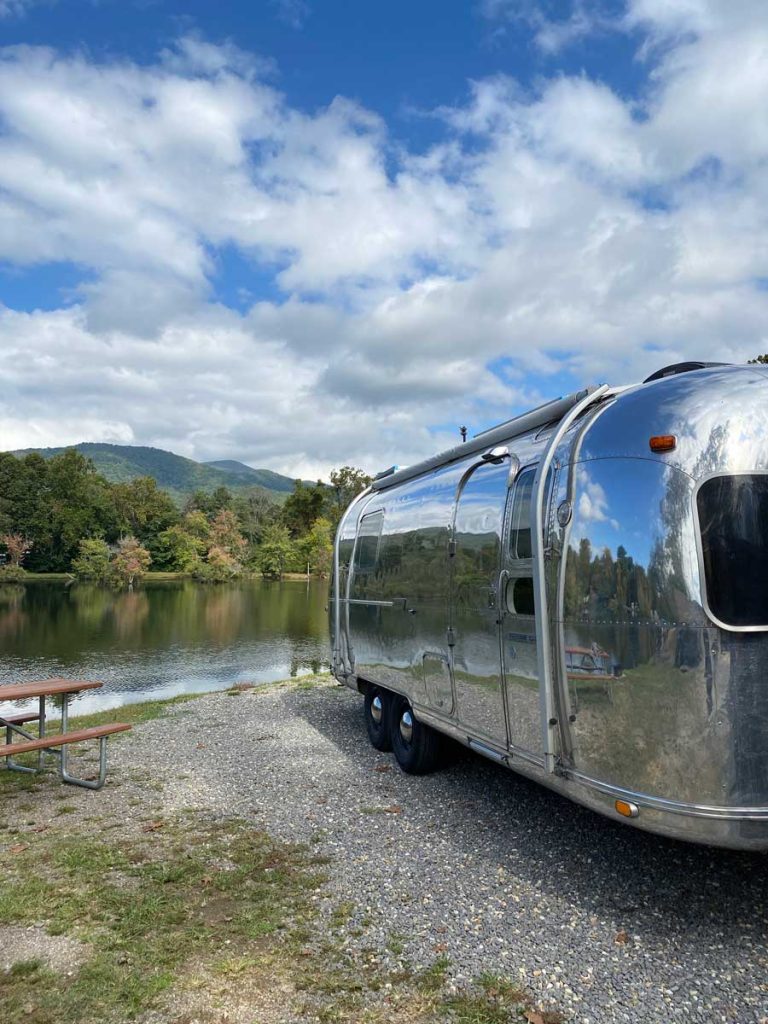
column 580, row 594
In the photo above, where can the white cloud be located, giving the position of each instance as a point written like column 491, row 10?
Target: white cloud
column 563, row 228
column 593, row 503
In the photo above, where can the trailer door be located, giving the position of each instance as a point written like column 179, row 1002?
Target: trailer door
column 517, row 620
column 476, row 551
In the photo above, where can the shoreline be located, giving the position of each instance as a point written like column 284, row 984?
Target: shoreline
column 161, row 577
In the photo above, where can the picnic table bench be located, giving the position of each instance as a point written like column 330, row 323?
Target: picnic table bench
column 52, row 743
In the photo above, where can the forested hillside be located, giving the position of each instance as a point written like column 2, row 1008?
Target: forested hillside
column 61, row 515
column 181, row 477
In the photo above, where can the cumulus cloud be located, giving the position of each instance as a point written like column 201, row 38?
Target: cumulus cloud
column 562, row 230
column 593, row 503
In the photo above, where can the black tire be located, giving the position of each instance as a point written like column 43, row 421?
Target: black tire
column 377, row 718
column 420, row 754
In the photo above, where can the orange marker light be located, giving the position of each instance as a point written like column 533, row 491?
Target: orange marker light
column 663, row 443
column 625, row 808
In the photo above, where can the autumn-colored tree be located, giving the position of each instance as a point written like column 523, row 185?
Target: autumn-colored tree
column 219, row 566
column 17, row 547
column 131, row 561
column 225, row 534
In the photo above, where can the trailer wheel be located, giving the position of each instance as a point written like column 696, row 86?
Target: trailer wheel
column 417, row 748
column 377, row 707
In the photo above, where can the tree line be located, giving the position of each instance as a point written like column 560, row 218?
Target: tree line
column 60, row 515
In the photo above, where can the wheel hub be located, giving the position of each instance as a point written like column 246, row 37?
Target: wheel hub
column 376, row 709
column 406, row 726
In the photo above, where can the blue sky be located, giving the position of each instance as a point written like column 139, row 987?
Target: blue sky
column 303, row 234
column 396, row 58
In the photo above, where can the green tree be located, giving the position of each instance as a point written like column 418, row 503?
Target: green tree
column 22, row 494
column 255, row 510
column 196, row 524
column 346, row 484
column 143, row 509
column 209, row 503
column 759, row 359
column 303, row 507
column 75, row 503
column 274, row 551
column 178, row 550
column 92, row 562
column 318, row 547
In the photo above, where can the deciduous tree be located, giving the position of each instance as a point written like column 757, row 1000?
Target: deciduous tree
column 303, row 507
column 92, row 562
column 131, row 561
column 274, row 551
column 17, row 546
column 318, row 547
column 346, row 483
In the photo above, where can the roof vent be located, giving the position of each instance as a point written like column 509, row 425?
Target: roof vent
column 675, row 368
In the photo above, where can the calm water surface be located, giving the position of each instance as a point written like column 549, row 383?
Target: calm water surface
column 162, row 639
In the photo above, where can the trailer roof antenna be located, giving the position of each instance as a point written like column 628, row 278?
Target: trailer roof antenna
column 463, row 432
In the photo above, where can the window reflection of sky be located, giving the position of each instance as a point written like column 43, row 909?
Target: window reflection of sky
column 618, row 504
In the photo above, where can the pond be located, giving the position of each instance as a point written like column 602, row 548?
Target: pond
column 163, row 638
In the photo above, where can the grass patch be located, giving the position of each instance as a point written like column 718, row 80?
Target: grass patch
column 195, row 909
column 133, row 714
column 147, row 908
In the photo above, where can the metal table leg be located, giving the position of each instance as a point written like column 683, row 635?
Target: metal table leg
column 41, row 731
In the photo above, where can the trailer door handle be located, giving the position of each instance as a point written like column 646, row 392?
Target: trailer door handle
column 504, row 578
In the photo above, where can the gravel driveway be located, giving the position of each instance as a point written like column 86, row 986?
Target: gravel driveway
column 477, row 864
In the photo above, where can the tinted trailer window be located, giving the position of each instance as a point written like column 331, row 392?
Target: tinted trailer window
column 733, row 518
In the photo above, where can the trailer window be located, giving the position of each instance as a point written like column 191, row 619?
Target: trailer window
column 520, row 520
column 368, row 537
column 733, row 519
column 520, row 596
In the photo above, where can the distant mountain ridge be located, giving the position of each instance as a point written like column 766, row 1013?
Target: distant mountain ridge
column 265, row 478
column 120, row 463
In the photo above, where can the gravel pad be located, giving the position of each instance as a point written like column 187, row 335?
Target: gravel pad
column 476, row 864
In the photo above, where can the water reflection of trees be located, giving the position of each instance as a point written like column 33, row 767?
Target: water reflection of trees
column 12, row 615
column 70, row 625
column 130, row 611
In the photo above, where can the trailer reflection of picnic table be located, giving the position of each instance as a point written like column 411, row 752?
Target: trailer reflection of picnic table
column 591, row 668
column 56, row 744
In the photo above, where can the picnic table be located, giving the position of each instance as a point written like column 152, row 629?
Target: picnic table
column 56, row 744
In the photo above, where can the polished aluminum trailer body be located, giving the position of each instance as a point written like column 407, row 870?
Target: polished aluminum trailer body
column 573, row 604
